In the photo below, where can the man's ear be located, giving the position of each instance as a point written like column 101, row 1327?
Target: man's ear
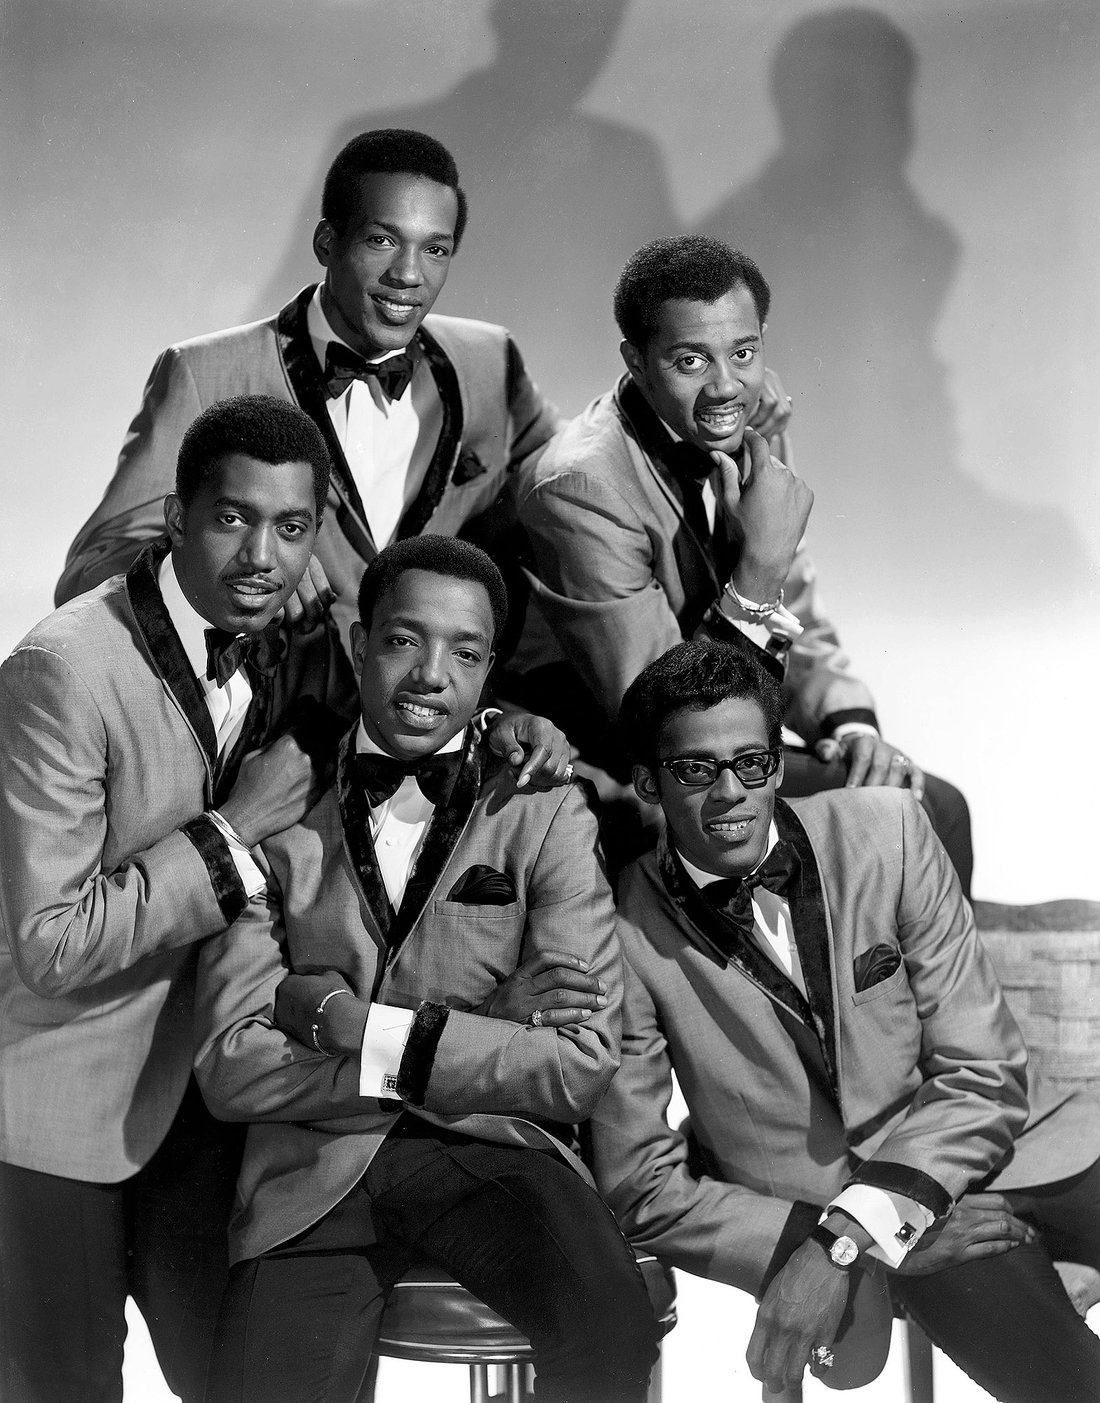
column 173, row 517
column 645, row 784
column 358, row 647
column 634, row 360
column 323, row 238
column 779, row 772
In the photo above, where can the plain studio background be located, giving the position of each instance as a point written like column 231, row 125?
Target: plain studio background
column 916, row 178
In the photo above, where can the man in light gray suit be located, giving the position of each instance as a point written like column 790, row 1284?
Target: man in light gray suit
column 858, row 1090
column 127, row 807
column 453, row 1008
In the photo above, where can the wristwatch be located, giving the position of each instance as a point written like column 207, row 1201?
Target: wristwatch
column 843, row 1252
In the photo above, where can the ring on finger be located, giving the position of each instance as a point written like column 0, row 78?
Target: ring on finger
column 821, row 1356
column 900, row 760
column 535, row 1019
column 568, row 772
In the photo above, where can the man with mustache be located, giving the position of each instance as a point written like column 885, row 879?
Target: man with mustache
column 452, row 1009
column 128, row 802
column 660, row 514
column 858, row 1090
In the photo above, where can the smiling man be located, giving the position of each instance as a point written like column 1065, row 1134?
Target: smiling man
column 660, row 514
column 130, row 792
column 452, row 1008
column 861, row 1114
column 424, row 416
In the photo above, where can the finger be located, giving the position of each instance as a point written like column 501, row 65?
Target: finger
column 858, row 755
column 535, row 761
column 572, row 998
column 504, row 742
column 758, row 457
column 730, row 474
column 312, row 607
column 757, row 1350
column 325, row 591
column 551, row 959
column 293, row 611
column 568, row 981
column 827, row 749
column 562, row 1017
column 916, row 781
column 888, row 767
column 990, row 1202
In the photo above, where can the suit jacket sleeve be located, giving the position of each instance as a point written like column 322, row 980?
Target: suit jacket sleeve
column 971, row 1101
column 466, row 1063
column 248, row 1069
column 533, row 420
column 70, row 923
column 132, row 510
column 597, row 588
column 663, row 1201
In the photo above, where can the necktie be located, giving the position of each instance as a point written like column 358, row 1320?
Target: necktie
column 342, row 366
column 381, row 775
column 733, row 895
column 226, row 652
column 691, row 467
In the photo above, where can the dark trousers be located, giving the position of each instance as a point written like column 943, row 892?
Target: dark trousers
column 946, row 807
column 519, row 1228
column 1007, row 1320
column 71, row 1252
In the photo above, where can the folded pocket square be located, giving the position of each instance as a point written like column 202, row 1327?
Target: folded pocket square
column 483, row 886
column 875, row 965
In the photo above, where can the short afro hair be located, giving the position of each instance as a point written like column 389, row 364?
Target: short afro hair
column 259, row 426
column 690, row 266
column 390, row 151
column 693, row 676
column 438, row 555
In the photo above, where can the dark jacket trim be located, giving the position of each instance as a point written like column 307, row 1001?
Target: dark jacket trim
column 445, row 457
column 444, row 830
column 224, row 877
column 355, row 817
column 801, row 1221
column 419, row 1056
column 863, row 714
column 164, row 644
column 904, row 1179
column 811, row 935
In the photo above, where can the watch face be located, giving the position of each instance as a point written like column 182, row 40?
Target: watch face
column 844, row 1252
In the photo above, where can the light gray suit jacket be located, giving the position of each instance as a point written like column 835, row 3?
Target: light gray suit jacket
column 916, row 1083
column 326, row 909
column 110, row 874
column 493, row 416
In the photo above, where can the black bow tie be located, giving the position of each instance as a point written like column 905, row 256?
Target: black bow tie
column 226, row 652
column 733, row 895
column 688, row 463
column 342, row 366
column 381, row 775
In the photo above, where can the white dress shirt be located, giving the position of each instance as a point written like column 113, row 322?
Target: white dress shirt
column 397, row 828
column 880, row 1212
column 388, row 444
column 227, row 705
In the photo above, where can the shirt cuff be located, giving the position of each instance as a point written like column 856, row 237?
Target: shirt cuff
column 252, row 879
column 780, row 623
column 384, row 1038
column 894, row 1221
column 854, row 728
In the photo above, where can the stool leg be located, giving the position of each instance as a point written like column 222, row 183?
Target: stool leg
column 516, row 1383
column 918, row 1363
column 479, row 1383
column 655, row 1381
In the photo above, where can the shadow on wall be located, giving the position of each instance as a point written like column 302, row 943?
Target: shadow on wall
column 558, row 199
column 860, row 271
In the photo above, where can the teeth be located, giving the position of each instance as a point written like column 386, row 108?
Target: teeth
column 423, row 711
column 720, row 418
column 395, row 309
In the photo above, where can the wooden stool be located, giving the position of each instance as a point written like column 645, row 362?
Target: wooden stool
column 432, row 1319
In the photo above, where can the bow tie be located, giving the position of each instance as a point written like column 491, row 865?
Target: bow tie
column 688, row 463
column 381, row 775
column 732, row 896
column 226, row 652
column 342, row 366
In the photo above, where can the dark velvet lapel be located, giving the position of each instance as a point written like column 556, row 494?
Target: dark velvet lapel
column 358, row 843
column 257, row 724
column 811, row 935
column 307, row 382
column 694, row 564
column 165, row 648
column 725, row 939
column 445, row 456
column 444, row 830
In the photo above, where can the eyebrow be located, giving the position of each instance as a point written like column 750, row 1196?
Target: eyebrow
column 752, row 340
column 242, row 505
column 397, row 231
column 418, row 626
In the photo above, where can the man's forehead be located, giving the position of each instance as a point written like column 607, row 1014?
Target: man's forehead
column 722, row 729
column 729, row 317
column 275, row 486
column 416, row 596
column 393, row 196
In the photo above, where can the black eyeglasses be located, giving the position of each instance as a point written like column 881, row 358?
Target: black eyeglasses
column 754, row 768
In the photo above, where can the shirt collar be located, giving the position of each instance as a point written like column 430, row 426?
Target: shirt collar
column 321, row 332
column 704, row 879
column 186, row 620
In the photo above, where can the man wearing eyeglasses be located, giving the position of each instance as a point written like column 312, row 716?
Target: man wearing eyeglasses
column 862, row 1123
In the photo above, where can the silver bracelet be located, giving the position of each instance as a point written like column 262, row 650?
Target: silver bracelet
column 330, row 995
column 754, row 611
column 315, row 1028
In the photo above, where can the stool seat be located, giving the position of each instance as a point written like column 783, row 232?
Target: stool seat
column 430, row 1317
